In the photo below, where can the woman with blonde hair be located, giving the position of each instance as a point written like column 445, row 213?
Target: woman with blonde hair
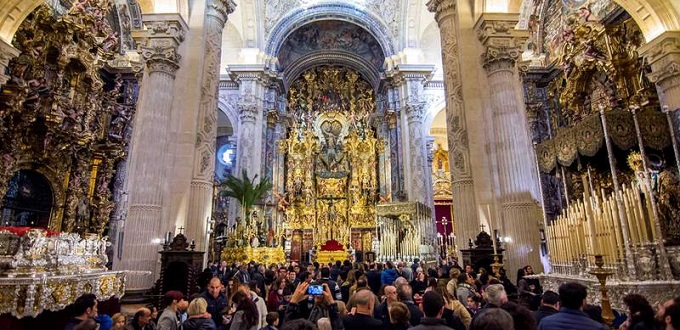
column 324, row 323
column 455, row 307
column 199, row 318
column 119, row 321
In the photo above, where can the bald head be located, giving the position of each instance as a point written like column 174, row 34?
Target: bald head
column 364, row 299
column 215, row 287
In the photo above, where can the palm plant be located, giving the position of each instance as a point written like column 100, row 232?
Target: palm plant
column 245, row 190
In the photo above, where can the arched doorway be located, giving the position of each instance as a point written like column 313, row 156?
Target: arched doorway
column 29, row 200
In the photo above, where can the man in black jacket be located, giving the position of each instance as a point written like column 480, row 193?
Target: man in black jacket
column 433, row 306
column 550, row 304
column 363, row 319
column 84, row 308
column 335, row 288
column 405, row 293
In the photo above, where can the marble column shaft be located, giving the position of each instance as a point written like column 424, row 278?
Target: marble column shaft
column 516, row 170
column 201, row 191
column 420, row 190
column 146, row 174
column 464, row 201
column 7, row 52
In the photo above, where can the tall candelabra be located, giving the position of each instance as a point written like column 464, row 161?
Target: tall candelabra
column 446, row 241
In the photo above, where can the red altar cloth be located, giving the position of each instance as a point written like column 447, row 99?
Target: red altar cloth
column 332, row 245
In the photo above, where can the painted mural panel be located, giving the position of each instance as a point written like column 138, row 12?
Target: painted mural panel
column 331, row 35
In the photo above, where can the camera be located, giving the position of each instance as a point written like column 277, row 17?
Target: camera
column 315, row 290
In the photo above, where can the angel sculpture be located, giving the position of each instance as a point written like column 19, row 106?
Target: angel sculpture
column 282, row 202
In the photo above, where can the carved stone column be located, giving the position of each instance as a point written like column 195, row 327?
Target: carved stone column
column 7, row 52
column 464, row 201
column 420, row 172
column 146, row 174
column 252, row 123
column 663, row 55
column 200, row 205
column 516, row 169
column 410, row 80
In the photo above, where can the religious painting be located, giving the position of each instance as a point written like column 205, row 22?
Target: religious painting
column 331, row 35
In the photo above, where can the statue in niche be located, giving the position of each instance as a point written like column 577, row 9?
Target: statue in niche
column 82, row 210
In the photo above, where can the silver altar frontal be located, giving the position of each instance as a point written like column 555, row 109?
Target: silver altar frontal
column 42, row 270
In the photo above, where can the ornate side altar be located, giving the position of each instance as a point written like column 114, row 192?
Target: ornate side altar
column 626, row 212
column 44, row 270
column 406, row 232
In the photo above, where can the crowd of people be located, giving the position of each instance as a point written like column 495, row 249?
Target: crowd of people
column 389, row 296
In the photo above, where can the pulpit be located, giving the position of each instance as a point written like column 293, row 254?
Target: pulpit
column 481, row 253
column 180, row 267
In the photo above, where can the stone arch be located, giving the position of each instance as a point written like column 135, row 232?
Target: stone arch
column 432, row 111
column 231, row 113
column 232, row 43
column 346, row 59
column 344, row 12
column 431, row 45
column 12, row 14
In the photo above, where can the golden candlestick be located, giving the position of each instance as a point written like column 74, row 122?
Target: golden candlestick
column 602, row 274
column 496, row 265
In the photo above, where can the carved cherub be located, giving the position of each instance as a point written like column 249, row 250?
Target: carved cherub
column 282, row 202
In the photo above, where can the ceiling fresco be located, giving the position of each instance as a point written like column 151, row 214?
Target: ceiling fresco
column 388, row 10
column 331, row 35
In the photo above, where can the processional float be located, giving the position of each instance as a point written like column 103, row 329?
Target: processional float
column 624, row 222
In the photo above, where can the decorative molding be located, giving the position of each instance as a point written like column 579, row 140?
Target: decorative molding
column 7, row 52
column 346, row 12
column 656, row 50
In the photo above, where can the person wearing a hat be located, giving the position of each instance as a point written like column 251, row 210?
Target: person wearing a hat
column 168, row 320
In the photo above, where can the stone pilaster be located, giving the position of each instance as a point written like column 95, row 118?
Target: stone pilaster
column 7, row 52
column 516, row 169
column 201, row 191
column 464, row 201
column 159, row 43
column 409, row 81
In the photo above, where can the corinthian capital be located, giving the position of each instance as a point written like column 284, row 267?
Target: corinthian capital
column 220, row 9
column 441, row 8
column 503, row 43
column 161, row 59
column 415, row 112
column 248, row 112
column 159, row 42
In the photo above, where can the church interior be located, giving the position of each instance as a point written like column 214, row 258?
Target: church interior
column 141, row 141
